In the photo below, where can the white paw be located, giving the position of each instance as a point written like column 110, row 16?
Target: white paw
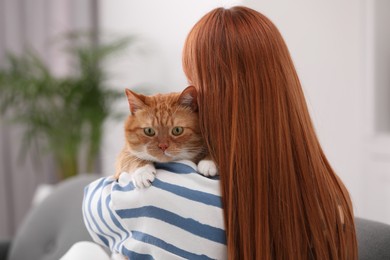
column 207, row 168
column 124, row 178
column 144, row 176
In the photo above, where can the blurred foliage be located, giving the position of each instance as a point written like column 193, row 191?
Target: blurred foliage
column 62, row 114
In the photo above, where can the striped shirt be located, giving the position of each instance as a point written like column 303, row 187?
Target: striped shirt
column 178, row 217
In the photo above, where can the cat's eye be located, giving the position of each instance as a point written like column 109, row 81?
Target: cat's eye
column 178, row 130
column 149, row 131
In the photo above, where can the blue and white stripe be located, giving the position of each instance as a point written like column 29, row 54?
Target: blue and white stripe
column 179, row 217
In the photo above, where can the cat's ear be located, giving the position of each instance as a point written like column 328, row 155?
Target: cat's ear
column 188, row 98
column 136, row 101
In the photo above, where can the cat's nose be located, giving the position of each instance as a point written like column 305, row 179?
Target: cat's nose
column 163, row 147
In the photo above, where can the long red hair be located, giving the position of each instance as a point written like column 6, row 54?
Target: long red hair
column 281, row 198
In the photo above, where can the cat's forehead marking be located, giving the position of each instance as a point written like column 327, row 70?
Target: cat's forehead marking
column 164, row 115
column 162, row 108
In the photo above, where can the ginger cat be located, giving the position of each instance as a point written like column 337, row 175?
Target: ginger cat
column 162, row 128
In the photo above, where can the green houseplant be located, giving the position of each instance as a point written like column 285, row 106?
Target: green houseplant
column 62, row 115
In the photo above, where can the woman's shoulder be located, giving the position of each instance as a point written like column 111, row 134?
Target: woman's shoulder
column 174, row 181
column 181, row 205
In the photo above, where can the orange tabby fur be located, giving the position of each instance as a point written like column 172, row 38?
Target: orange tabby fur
column 161, row 112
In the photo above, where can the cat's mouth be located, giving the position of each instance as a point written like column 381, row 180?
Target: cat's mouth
column 161, row 157
column 166, row 157
column 167, row 154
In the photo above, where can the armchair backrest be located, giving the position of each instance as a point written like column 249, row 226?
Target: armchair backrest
column 54, row 225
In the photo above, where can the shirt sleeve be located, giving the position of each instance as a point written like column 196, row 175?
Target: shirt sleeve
column 101, row 220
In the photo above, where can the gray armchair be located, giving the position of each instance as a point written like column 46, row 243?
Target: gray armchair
column 53, row 226
column 56, row 224
column 373, row 240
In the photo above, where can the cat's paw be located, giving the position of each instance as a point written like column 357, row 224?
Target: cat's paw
column 207, row 168
column 143, row 176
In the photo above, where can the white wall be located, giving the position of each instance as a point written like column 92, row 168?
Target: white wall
column 326, row 40
column 376, row 170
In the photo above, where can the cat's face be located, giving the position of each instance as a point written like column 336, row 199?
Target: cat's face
column 164, row 128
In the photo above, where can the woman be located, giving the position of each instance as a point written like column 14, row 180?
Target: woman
column 281, row 198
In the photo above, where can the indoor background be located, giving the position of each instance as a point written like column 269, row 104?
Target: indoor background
column 340, row 50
